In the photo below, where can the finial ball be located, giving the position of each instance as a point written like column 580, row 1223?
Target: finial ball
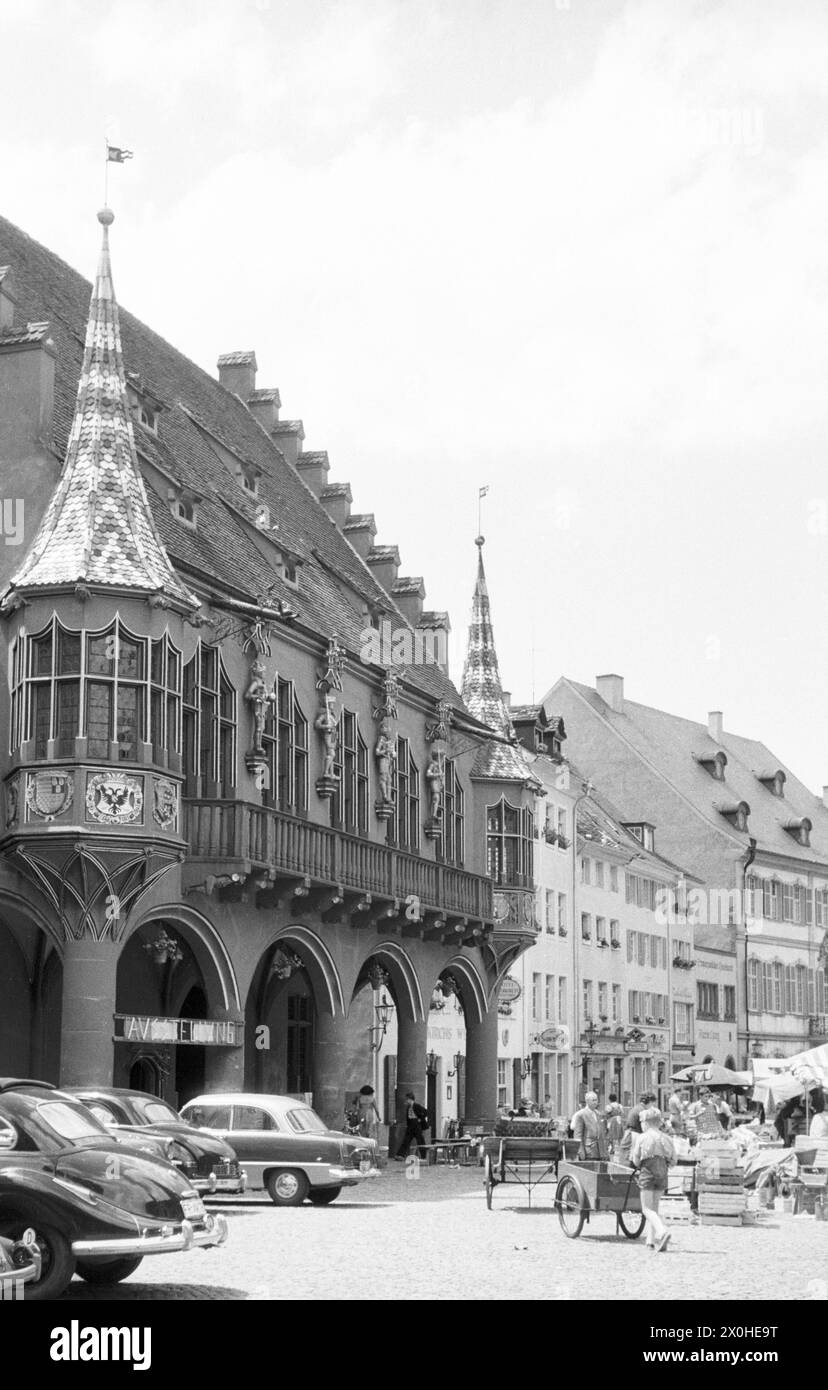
column 106, row 217
column 480, row 541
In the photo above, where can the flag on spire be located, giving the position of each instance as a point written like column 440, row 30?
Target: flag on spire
column 117, row 156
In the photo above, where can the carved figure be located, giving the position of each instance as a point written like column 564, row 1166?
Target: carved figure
column 328, row 724
column 385, row 754
column 258, row 695
column 434, row 778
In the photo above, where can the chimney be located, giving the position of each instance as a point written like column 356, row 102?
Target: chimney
column 432, row 633
column 237, row 373
column 384, row 562
column 361, row 528
column 611, row 690
column 289, row 434
column 314, row 468
column 336, row 499
column 265, row 406
column 408, row 594
column 714, row 725
column 507, row 699
column 8, row 303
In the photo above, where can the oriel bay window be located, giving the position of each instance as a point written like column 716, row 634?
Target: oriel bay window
column 349, row 804
column 509, row 842
column 99, row 686
column 285, row 742
column 209, row 725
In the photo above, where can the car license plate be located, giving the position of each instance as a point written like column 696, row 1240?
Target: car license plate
column 192, row 1206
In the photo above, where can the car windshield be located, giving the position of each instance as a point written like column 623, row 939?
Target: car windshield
column 69, row 1121
column 305, row 1121
column 155, row 1112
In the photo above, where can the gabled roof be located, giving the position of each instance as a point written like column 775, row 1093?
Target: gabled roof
column 674, row 749
column 98, row 527
column 335, row 583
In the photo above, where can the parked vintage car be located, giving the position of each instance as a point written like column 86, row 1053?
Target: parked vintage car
column 208, row 1162
column 95, row 1206
column 19, row 1264
column 284, row 1147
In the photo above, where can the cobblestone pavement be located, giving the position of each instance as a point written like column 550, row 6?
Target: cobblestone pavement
column 398, row 1238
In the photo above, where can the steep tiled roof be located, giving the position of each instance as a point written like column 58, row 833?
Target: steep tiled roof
column 230, row 555
column 672, row 746
column 98, row 528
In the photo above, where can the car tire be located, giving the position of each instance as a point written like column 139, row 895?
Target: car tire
column 57, row 1260
column 108, row 1271
column 287, row 1187
column 323, row 1196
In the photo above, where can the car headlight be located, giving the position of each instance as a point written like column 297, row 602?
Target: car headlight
column 177, row 1154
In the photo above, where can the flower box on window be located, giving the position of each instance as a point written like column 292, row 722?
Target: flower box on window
column 563, row 842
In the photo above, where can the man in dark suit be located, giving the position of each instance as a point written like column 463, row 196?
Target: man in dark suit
column 416, row 1120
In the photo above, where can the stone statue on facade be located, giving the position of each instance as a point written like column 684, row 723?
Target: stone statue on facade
column 386, row 756
column 435, row 779
column 327, row 722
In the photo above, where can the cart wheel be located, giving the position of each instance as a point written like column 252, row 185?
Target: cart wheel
column 570, row 1199
column 632, row 1223
column 488, row 1178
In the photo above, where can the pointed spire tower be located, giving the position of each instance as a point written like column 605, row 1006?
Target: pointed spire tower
column 482, row 691
column 98, row 528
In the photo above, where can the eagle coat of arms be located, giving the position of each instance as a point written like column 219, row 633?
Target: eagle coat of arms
column 114, row 798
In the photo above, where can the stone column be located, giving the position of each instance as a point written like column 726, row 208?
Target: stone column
column 330, row 1055
column 481, row 1069
column 224, row 1066
column 89, row 977
column 412, row 1045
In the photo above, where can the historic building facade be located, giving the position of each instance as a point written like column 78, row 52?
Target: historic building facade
column 246, row 814
column 754, row 837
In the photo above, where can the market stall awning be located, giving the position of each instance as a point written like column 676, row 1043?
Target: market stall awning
column 712, row 1075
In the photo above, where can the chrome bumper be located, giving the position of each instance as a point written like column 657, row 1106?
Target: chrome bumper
column 349, row 1176
column 208, row 1186
column 185, row 1237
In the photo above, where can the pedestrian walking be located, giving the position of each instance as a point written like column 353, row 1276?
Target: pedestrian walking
column 633, row 1125
column 614, row 1121
column 416, row 1120
column 368, row 1114
column 652, row 1153
column 589, row 1129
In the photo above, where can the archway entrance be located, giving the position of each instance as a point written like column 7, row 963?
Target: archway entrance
column 31, row 983
column 190, row 1060
column 281, row 1023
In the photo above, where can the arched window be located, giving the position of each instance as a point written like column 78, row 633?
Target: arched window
column 753, row 984
column 407, row 813
column 349, row 804
column 102, row 686
column 209, row 725
column 454, row 801
column 285, row 742
column 509, row 843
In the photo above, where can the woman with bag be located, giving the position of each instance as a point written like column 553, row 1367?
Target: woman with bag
column 652, row 1153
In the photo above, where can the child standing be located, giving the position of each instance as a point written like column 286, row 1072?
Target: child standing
column 652, row 1153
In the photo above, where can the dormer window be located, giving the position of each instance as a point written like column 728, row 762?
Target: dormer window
column 249, row 478
column 800, row 830
column 263, row 517
column 290, row 574
column 737, row 814
column 643, row 832
column 713, row 763
column 184, row 506
column 148, row 418
column 774, row 781
column 144, row 406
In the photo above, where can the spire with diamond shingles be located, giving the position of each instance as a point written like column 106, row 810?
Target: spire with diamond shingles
column 98, row 528
column 482, row 691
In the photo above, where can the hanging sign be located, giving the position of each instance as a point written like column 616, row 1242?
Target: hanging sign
column 206, row 1032
column 553, row 1039
column 510, row 990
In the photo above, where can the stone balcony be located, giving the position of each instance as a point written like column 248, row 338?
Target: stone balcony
column 242, row 849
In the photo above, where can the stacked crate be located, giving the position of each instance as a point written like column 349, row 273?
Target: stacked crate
column 722, row 1199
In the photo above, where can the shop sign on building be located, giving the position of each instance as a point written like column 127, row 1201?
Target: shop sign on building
column 206, row 1032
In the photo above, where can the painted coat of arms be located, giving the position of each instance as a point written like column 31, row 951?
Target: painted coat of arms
column 49, row 794
column 165, row 809
column 114, row 798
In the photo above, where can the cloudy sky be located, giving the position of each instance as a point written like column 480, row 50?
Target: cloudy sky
column 572, row 249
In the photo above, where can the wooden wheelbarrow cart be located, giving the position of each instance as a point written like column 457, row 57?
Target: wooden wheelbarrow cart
column 588, row 1186
column 530, row 1161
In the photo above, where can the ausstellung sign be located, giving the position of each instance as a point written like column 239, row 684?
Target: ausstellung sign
column 206, row 1032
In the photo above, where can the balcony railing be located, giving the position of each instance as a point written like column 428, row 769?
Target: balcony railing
column 257, row 837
